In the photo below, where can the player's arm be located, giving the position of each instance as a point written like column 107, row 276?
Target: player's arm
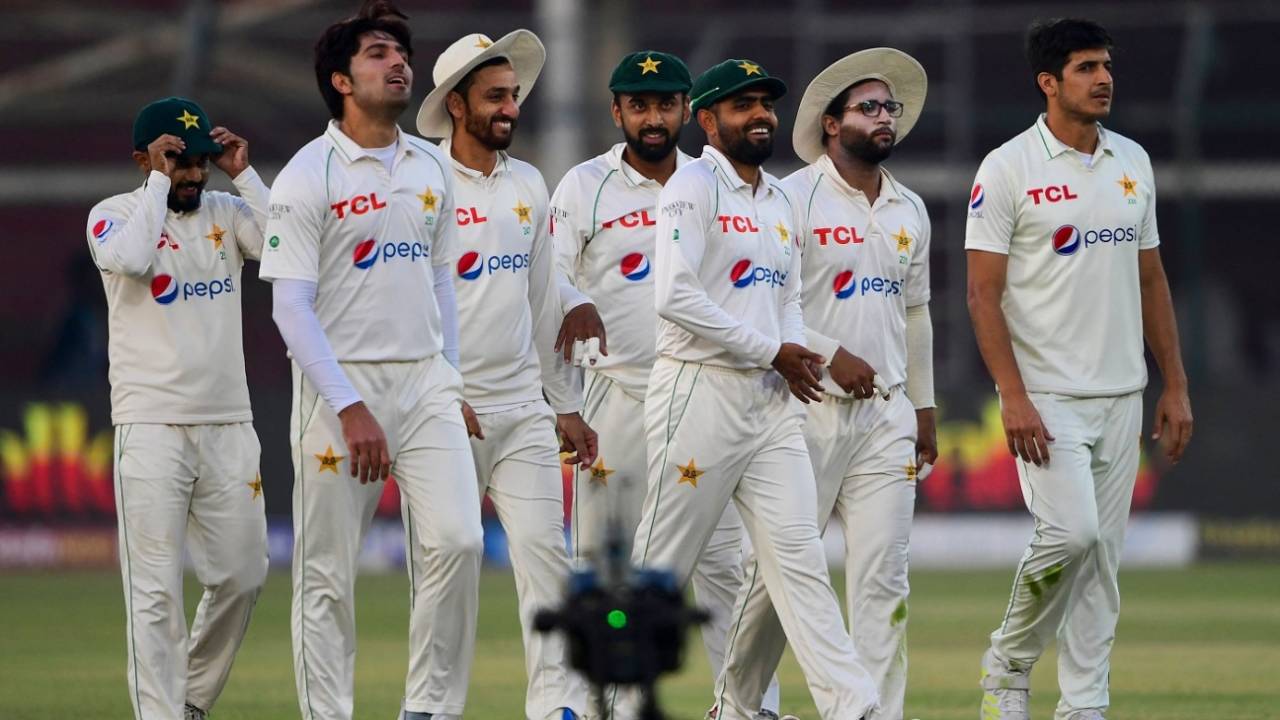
column 569, row 236
column 800, row 366
column 919, row 335
column 252, row 205
column 987, row 242
column 127, row 244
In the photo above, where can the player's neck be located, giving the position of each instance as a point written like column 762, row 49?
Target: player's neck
column 1075, row 131
column 749, row 173
column 466, row 149
column 366, row 130
column 660, row 171
column 857, row 173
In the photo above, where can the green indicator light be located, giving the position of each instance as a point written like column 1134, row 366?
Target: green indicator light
column 616, row 619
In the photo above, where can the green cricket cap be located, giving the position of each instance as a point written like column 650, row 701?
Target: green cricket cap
column 175, row 116
column 729, row 77
column 650, row 71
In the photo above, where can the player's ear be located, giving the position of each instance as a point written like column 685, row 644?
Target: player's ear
column 455, row 104
column 341, row 83
column 143, row 161
column 687, row 114
column 615, row 109
column 1048, row 84
column 707, row 121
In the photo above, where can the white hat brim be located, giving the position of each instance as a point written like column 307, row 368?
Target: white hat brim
column 521, row 48
column 905, row 77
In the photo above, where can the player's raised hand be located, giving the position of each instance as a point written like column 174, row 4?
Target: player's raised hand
column 366, row 443
column 801, row 368
column 1025, row 432
column 580, row 323
column 471, row 421
column 234, row 157
column 1173, row 414
column 163, row 150
column 853, row 374
column 577, row 437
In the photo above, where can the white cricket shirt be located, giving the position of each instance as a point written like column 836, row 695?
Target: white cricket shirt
column 1072, row 233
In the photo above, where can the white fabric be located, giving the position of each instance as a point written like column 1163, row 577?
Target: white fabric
column 368, row 239
column 386, row 154
column 1075, row 313
column 508, row 301
column 418, row 405
column 172, row 282
column 1066, row 588
column 603, row 222
column 293, row 310
column 174, row 484
column 727, row 287
column 447, row 301
column 920, row 357
column 715, row 435
column 863, row 266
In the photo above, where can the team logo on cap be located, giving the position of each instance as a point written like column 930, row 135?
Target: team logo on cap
column 1066, row 240
column 470, row 265
column 742, row 274
column 164, row 288
column 365, row 254
column 635, row 266
column 102, row 229
column 844, row 284
column 976, row 197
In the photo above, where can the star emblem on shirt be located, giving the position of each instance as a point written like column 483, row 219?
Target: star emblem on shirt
column 911, row 471
column 523, row 212
column 428, row 199
column 483, row 43
column 750, row 68
column 649, row 65
column 216, row 236
column 784, row 235
column 690, row 473
column 188, row 120
column 600, row 473
column 329, row 461
column 904, row 240
column 1129, row 185
column 256, row 485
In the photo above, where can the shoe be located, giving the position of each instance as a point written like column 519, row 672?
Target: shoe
column 1090, row 714
column 191, row 712
column 1006, row 691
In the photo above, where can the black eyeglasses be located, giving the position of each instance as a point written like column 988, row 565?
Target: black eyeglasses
column 871, row 108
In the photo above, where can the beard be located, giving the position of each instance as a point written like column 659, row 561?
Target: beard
column 481, row 128
column 652, row 153
column 739, row 146
column 867, row 147
column 180, row 205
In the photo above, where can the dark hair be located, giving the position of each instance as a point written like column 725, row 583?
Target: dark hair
column 1051, row 42
column 469, row 79
column 341, row 41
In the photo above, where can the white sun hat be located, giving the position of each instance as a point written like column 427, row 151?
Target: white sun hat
column 905, row 77
column 521, row 48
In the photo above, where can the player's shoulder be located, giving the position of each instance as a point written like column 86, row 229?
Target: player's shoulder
column 802, row 182
column 522, row 170
column 911, row 196
column 700, row 171
column 309, row 164
column 435, row 156
column 118, row 204
column 589, row 174
column 1125, row 146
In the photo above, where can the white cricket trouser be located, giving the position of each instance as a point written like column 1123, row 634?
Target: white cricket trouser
column 716, row 434
column 518, row 465
column 1066, row 582
column 861, row 451
column 179, row 483
column 418, row 406
column 617, row 483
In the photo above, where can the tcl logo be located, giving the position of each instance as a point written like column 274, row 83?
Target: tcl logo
column 1052, row 193
column 841, row 235
column 739, row 223
column 633, row 219
column 358, row 205
column 470, row 216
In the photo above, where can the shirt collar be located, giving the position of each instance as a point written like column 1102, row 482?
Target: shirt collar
column 1056, row 147
column 499, row 167
column 888, row 185
column 730, row 172
column 351, row 151
column 630, row 174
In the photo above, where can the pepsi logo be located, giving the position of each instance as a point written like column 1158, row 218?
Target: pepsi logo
column 102, row 229
column 844, row 284
column 164, row 289
column 1066, row 240
column 635, row 266
column 365, row 254
column 470, row 265
column 741, row 274
column 977, row 196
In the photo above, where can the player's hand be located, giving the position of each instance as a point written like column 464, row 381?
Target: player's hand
column 853, row 374
column 801, row 368
column 370, row 461
column 234, row 157
column 926, row 437
column 1025, row 432
column 1173, row 416
column 577, row 437
column 471, row 421
column 580, row 323
column 158, row 152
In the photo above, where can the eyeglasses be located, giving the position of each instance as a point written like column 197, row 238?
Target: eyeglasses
column 871, row 108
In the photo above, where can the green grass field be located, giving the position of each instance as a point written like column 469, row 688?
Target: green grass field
column 1193, row 644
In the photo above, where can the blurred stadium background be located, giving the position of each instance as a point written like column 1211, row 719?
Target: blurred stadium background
column 1195, row 85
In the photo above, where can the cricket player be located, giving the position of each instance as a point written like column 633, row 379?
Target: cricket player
column 603, row 217
column 186, row 455
column 719, row 417
column 864, row 244
column 509, row 315
column 1065, row 280
column 360, row 249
